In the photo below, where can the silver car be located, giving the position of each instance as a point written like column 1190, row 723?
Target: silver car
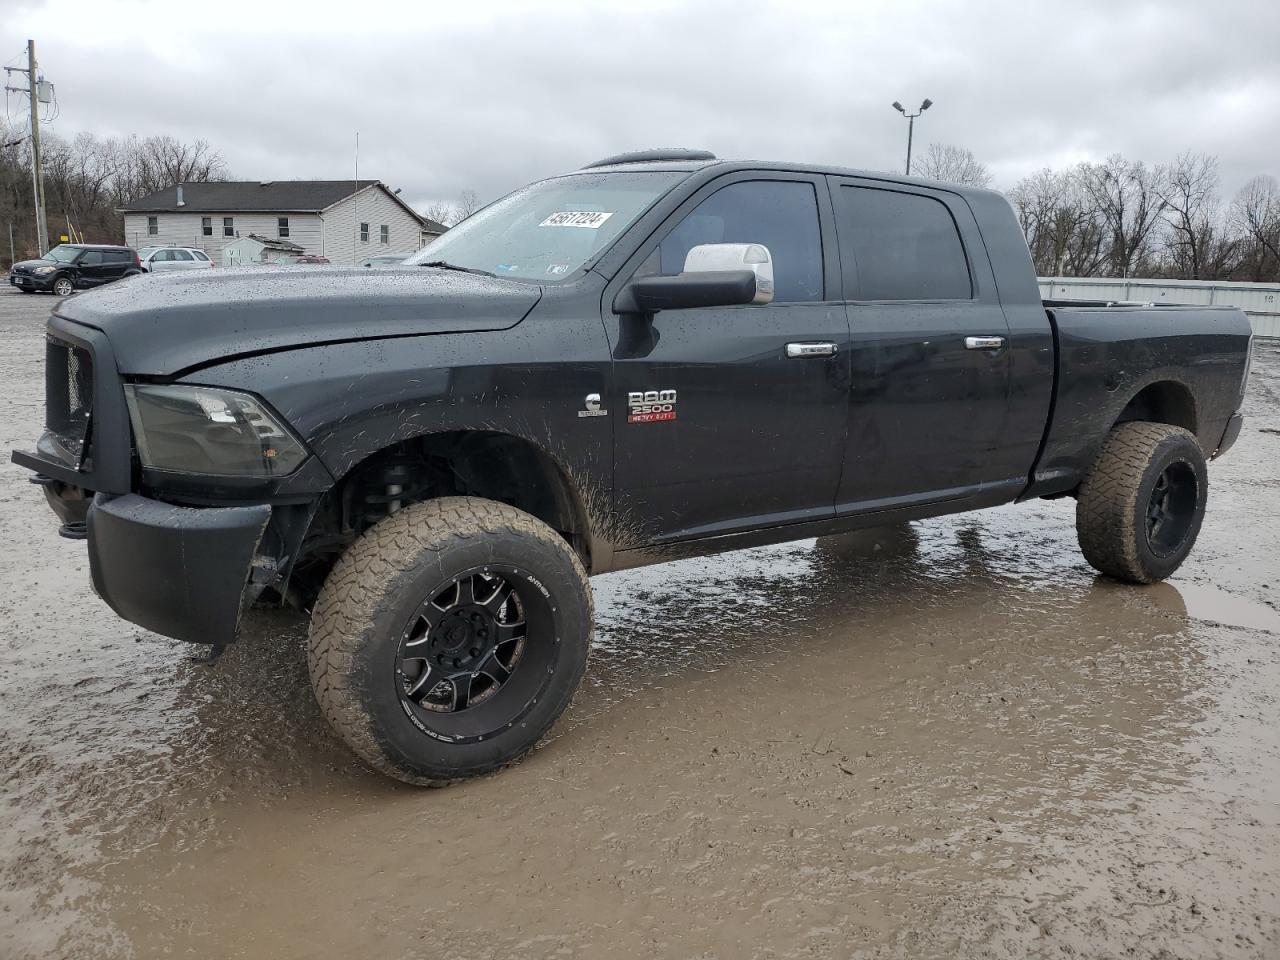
column 164, row 259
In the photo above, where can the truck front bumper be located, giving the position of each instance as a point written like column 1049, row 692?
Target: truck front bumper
column 180, row 571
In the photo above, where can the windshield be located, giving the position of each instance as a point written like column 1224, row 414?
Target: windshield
column 63, row 254
column 547, row 230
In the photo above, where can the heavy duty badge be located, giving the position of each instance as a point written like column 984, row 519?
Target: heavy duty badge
column 651, row 406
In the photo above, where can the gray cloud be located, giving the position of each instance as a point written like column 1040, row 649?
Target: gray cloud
column 488, row 96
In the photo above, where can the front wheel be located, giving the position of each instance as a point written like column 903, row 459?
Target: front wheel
column 63, row 287
column 449, row 638
column 1140, row 509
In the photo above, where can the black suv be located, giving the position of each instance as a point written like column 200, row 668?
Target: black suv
column 75, row 266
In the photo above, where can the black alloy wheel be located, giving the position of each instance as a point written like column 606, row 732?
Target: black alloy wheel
column 1171, row 508
column 476, row 655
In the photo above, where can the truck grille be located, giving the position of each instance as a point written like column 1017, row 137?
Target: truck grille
column 68, row 392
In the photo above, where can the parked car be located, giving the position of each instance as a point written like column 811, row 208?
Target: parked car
column 165, row 259
column 661, row 355
column 387, row 259
column 301, row 260
column 69, row 267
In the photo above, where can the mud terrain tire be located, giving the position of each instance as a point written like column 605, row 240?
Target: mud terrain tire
column 1140, row 509
column 370, row 613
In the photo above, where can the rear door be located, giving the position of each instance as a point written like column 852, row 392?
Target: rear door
column 719, row 428
column 929, row 377
column 117, row 262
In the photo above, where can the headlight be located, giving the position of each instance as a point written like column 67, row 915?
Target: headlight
column 45, row 269
column 208, row 431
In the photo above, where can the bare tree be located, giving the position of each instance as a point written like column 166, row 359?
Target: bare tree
column 942, row 161
column 442, row 211
column 1198, row 246
column 468, row 203
column 1063, row 228
column 159, row 162
column 1128, row 195
column 1255, row 212
column 88, row 178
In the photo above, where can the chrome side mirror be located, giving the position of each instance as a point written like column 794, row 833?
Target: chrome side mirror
column 720, row 257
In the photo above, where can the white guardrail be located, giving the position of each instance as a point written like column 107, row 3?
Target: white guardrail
column 1260, row 301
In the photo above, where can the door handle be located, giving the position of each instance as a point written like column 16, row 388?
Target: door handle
column 983, row 343
column 798, row 350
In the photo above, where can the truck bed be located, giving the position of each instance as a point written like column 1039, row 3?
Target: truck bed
column 1121, row 361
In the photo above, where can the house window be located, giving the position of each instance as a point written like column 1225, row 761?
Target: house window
column 153, row 226
column 282, row 226
column 228, row 226
column 206, row 226
column 385, row 234
column 364, row 233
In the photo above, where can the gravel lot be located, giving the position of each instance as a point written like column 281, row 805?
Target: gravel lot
column 947, row 740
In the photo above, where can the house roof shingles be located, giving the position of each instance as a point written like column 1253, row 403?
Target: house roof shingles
column 253, row 196
column 250, row 196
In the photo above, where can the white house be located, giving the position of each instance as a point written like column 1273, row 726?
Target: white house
column 343, row 220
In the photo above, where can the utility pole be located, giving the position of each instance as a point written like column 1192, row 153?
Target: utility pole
column 911, row 124
column 37, row 168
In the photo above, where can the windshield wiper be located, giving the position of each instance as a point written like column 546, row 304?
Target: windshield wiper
column 446, row 265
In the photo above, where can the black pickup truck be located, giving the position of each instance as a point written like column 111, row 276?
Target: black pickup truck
column 660, row 355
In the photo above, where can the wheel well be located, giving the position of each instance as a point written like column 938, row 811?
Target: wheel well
column 496, row 466
column 1163, row 402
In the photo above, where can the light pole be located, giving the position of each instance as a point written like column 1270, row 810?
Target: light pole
column 911, row 124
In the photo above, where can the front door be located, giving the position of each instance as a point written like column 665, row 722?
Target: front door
column 719, row 426
column 929, row 355
column 90, row 268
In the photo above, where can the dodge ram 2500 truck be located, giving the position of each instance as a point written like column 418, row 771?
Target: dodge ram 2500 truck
column 659, row 355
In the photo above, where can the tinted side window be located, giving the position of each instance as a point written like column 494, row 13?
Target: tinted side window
column 119, row 256
column 91, row 258
column 782, row 215
column 181, row 255
column 899, row 246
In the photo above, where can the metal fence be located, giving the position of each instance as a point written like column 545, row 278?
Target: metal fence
column 1260, row 301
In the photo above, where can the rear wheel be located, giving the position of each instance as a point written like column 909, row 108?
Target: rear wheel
column 63, row 287
column 448, row 639
column 1141, row 507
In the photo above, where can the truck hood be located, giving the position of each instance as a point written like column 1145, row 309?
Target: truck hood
column 163, row 324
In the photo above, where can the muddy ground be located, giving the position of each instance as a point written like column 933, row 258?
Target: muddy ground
column 947, row 740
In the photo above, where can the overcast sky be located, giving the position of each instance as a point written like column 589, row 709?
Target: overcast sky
column 487, row 96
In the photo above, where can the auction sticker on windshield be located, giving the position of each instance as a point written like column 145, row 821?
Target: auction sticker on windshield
column 590, row 219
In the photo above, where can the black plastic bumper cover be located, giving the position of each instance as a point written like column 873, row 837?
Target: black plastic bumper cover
column 179, row 571
column 1230, row 434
